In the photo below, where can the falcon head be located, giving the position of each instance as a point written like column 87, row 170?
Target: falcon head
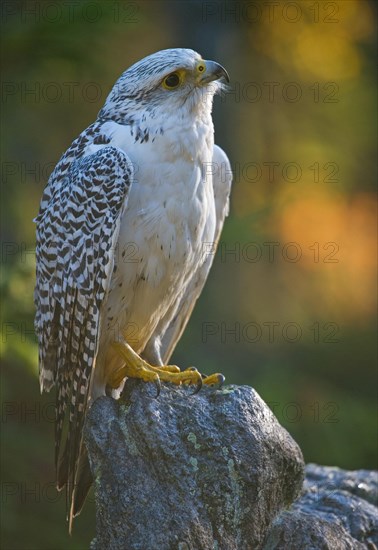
column 167, row 81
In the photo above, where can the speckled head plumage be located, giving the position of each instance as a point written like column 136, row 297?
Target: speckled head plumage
column 166, row 80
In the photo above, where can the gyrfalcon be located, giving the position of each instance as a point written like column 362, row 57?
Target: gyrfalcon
column 123, row 236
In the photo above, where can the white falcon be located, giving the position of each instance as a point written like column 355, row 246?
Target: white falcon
column 123, row 237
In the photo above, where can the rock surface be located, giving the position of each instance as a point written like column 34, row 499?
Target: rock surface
column 216, row 471
column 337, row 511
column 189, row 472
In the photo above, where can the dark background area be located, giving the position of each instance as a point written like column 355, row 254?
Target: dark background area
column 290, row 305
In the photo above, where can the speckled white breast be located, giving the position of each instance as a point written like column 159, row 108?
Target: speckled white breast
column 170, row 214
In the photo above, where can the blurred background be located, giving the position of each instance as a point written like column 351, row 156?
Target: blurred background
column 289, row 307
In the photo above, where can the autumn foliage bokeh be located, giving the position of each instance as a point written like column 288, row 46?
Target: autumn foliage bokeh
column 290, row 305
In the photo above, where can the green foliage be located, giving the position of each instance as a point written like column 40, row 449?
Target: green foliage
column 320, row 384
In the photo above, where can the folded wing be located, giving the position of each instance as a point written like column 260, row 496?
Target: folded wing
column 77, row 232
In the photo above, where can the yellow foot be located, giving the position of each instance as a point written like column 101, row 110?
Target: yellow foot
column 136, row 367
column 213, row 380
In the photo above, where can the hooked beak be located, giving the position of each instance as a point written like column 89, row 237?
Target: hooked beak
column 214, row 71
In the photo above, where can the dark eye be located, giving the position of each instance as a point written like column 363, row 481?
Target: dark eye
column 171, row 81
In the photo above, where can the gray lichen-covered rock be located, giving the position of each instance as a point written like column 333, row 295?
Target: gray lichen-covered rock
column 205, row 471
column 337, row 511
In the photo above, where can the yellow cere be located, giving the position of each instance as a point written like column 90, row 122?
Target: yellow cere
column 201, row 67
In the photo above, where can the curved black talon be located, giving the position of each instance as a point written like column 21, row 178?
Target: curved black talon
column 198, row 386
column 157, row 385
column 219, row 384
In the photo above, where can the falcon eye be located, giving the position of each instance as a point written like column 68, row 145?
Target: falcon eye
column 171, row 81
column 201, row 67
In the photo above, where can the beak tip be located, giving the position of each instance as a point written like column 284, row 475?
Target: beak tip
column 217, row 71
